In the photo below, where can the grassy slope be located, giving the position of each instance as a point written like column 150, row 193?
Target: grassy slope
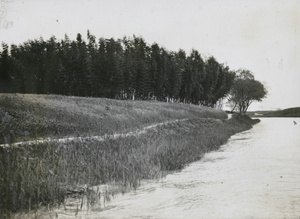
column 46, row 172
column 60, row 116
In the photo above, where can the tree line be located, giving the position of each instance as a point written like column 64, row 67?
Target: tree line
column 127, row 68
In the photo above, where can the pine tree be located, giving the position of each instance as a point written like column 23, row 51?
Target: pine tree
column 5, row 78
column 123, row 69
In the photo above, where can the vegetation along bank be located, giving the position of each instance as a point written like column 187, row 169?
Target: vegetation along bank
column 46, row 173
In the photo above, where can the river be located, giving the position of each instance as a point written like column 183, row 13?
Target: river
column 255, row 175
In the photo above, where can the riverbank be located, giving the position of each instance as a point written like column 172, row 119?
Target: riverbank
column 46, row 173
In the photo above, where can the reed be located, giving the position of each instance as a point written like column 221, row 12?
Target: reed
column 45, row 174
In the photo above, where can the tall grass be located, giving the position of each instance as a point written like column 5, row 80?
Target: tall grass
column 47, row 173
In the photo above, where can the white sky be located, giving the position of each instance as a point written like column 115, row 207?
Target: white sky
column 260, row 35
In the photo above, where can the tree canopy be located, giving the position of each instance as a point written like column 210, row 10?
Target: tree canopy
column 127, row 68
column 246, row 90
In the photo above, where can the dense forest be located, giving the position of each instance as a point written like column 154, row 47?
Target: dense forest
column 127, row 68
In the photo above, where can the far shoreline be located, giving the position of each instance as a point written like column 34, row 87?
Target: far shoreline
column 289, row 112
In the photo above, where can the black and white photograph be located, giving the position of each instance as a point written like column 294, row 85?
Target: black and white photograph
column 161, row 109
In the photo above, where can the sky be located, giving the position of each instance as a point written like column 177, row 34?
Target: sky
column 262, row 36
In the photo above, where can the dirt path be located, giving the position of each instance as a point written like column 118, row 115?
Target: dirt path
column 95, row 138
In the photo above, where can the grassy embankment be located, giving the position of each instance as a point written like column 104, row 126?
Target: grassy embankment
column 44, row 173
